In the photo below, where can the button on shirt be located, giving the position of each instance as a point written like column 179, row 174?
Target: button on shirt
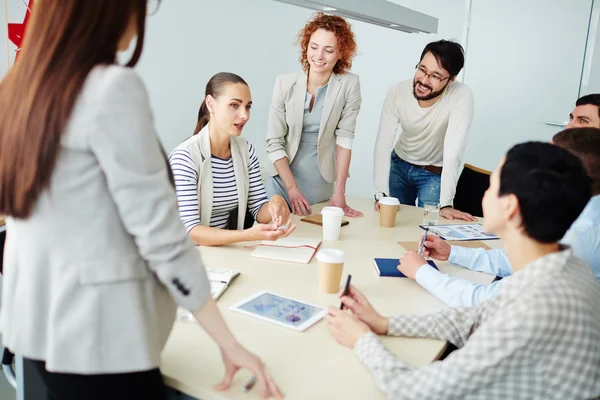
column 538, row 339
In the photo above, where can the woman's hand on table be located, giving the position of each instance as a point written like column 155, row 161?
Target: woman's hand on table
column 299, row 203
column 339, row 200
column 236, row 358
column 270, row 231
column 279, row 210
column 357, row 303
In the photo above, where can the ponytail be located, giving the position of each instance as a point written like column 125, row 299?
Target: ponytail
column 203, row 117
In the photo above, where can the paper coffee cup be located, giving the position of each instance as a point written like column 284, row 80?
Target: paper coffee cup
column 331, row 264
column 388, row 208
column 332, row 222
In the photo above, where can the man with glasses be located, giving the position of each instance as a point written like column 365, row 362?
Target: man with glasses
column 434, row 113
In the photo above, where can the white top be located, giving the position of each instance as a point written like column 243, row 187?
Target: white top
column 436, row 135
column 225, row 195
column 199, row 151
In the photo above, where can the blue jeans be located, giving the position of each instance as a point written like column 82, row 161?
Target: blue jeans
column 407, row 183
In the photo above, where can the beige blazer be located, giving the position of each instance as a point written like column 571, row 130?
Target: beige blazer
column 199, row 148
column 342, row 104
column 92, row 277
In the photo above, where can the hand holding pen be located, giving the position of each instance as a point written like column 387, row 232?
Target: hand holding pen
column 436, row 248
column 423, row 242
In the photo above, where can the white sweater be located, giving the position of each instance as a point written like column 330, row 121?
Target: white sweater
column 436, row 135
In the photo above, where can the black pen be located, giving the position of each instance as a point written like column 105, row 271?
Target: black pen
column 346, row 290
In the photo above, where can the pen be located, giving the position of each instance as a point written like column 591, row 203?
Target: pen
column 423, row 242
column 346, row 288
column 249, row 384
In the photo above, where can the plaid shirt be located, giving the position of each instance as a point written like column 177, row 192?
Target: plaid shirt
column 538, row 339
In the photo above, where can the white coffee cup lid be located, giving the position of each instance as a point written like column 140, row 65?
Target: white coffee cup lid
column 331, row 256
column 389, row 201
column 332, row 211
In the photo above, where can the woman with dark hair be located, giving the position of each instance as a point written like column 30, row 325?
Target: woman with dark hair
column 312, row 119
column 217, row 173
column 97, row 258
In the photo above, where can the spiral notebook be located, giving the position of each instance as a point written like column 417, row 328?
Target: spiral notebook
column 289, row 249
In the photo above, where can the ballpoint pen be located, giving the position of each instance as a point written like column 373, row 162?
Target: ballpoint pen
column 423, row 242
column 346, row 288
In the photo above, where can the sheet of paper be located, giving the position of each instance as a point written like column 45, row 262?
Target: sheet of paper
column 461, row 232
column 474, row 244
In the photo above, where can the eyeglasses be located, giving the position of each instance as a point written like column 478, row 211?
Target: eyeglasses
column 152, row 7
column 433, row 77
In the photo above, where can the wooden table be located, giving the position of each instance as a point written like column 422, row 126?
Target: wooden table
column 309, row 365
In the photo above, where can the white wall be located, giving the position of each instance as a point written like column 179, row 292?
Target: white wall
column 523, row 72
column 190, row 40
column 591, row 74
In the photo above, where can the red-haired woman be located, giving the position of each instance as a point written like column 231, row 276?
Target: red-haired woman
column 312, row 119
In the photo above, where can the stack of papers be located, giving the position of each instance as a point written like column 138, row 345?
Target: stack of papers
column 460, row 232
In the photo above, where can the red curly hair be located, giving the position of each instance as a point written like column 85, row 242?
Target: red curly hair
column 342, row 31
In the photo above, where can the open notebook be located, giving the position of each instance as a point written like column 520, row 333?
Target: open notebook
column 219, row 282
column 220, row 279
column 290, row 249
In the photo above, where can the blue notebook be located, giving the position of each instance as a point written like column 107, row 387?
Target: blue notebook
column 388, row 267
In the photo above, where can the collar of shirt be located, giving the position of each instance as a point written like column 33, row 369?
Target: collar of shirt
column 590, row 214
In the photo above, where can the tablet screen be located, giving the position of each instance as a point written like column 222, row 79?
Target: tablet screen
column 280, row 309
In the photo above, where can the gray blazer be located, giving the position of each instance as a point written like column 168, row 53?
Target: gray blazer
column 342, row 104
column 90, row 277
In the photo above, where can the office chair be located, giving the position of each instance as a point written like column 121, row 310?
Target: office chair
column 472, row 184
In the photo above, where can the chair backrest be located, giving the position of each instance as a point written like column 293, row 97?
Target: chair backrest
column 472, row 184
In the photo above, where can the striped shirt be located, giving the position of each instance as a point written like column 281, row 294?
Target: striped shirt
column 225, row 195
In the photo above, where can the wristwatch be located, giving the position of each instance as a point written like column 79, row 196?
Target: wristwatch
column 446, row 206
column 379, row 195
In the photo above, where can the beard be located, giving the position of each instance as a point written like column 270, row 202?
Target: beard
column 429, row 96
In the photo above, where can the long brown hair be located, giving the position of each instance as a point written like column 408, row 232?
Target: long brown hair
column 65, row 40
column 215, row 87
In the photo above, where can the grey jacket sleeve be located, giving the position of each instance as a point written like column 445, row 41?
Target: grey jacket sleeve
column 135, row 168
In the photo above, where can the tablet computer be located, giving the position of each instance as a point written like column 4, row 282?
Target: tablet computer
column 280, row 310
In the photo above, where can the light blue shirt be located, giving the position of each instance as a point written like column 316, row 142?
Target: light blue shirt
column 583, row 237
